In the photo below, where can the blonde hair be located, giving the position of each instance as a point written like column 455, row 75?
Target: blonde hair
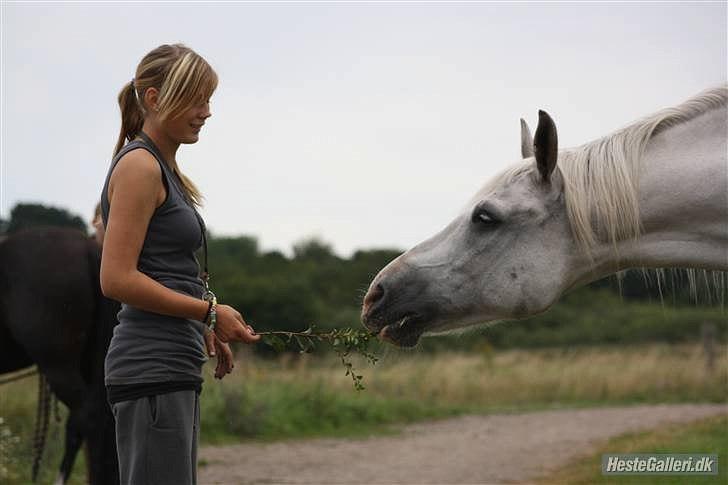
column 183, row 79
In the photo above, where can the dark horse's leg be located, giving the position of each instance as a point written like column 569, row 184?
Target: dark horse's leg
column 101, row 440
column 74, row 440
column 70, row 388
column 12, row 356
column 49, row 304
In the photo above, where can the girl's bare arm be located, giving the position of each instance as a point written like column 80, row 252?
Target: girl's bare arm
column 135, row 191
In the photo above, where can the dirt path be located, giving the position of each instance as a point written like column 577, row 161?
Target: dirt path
column 463, row 450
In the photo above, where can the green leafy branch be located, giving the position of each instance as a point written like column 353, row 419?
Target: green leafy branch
column 344, row 342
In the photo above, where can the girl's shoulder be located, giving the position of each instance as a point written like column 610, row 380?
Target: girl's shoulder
column 138, row 174
column 136, row 163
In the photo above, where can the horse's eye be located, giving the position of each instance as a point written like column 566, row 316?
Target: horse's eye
column 482, row 217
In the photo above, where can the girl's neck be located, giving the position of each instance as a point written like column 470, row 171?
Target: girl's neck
column 166, row 146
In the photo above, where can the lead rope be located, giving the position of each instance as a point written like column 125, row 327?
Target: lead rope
column 41, row 423
column 208, row 295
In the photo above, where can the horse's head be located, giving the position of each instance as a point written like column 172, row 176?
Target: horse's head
column 507, row 255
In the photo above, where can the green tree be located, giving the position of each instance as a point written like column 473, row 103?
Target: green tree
column 29, row 215
column 313, row 249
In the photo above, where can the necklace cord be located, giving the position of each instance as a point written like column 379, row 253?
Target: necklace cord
column 205, row 274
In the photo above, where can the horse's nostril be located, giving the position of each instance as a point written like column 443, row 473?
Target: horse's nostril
column 373, row 295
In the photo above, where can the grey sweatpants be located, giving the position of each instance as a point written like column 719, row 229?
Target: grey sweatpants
column 156, row 439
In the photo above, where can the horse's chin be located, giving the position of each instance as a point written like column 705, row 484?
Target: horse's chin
column 403, row 333
column 407, row 332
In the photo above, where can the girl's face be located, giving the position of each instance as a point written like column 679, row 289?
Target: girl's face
column 186, row 127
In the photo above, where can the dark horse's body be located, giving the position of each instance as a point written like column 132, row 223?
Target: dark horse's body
column 53, row 314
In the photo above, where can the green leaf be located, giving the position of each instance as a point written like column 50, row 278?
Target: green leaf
column 276, row 342
column 300, row 343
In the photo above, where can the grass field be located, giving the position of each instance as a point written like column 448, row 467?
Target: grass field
column 306, row 396
column 705, row 436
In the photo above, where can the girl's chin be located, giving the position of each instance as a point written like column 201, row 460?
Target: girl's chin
column 191, row 138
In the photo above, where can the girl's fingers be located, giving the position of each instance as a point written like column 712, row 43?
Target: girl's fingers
column 222, row 337
column 225, row 361
column 247, row 334
column 218, row 367
column 229, row 359
column 244, row 332
column 210, row 342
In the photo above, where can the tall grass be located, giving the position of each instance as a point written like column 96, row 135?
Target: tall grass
column 308, row 396
column 655, row 373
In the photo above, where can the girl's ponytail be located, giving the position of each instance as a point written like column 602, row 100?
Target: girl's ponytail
column 132, row 116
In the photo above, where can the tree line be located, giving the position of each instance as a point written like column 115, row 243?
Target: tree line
column 316, row 286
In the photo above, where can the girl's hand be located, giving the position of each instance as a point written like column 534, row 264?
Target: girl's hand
column 231, row 326
column 225, row 361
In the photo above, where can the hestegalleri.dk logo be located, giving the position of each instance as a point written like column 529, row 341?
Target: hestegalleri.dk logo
column 660, row 464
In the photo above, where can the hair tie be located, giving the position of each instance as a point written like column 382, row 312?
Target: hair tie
column 132, row 84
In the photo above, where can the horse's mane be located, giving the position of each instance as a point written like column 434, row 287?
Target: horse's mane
column 601, row 178
column 601, row 182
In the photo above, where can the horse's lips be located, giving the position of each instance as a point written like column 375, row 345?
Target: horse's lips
column 400, row 335
column 383, row 334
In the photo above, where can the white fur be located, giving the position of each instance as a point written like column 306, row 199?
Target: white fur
column 652, row 195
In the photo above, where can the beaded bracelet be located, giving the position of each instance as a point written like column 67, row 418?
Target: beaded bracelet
column 212, row 316
column 207, row 312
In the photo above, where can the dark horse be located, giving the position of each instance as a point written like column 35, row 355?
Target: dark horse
column 53, row 315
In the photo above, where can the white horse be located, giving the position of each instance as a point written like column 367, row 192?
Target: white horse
column 652, row 195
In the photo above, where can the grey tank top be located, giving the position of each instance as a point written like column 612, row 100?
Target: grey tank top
column 148, row 347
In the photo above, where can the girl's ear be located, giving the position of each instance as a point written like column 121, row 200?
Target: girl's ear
column 151, row 96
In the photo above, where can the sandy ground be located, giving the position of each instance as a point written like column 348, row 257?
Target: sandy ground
column 465, row 450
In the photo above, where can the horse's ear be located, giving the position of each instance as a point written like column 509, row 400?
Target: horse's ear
column 526, row 140
column 545, row 145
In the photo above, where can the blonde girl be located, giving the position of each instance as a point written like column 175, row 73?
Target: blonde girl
column 152, row 230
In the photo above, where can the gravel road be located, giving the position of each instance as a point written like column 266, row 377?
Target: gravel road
column 504, row 448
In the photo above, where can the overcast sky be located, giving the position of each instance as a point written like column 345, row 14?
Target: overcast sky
column 364, row 124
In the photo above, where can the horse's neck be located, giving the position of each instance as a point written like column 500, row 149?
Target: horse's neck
column 683, row 194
